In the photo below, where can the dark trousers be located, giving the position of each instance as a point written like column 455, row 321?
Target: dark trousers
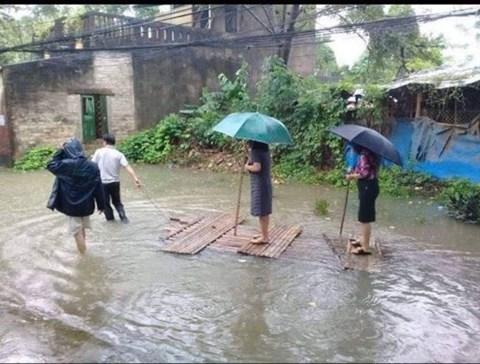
column 112, row 192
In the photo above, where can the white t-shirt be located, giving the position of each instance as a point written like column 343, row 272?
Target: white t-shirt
column 109, row 161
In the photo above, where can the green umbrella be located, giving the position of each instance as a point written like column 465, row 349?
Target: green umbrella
column 254, row 126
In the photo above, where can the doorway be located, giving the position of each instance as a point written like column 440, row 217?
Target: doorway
column 94, row 116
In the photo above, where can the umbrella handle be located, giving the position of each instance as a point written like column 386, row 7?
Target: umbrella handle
column 344, row 209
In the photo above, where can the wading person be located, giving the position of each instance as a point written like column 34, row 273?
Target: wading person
column 109, row 160
column 260, row 187
column 365, row 172
column 76, row 188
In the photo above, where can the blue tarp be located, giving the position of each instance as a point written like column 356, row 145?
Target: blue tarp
column 420, row 143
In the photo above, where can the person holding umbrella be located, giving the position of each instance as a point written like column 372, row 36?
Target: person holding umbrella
column 371, row 146
column 365, row 173
column 258, row 166
column 259, row 130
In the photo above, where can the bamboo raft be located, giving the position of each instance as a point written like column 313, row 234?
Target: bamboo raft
column 342, row 250
column 195, row 235
column 191, row 234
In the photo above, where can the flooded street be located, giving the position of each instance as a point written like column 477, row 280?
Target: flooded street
column 127, row 301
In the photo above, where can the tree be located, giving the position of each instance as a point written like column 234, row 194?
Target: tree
column 325, row 62
column 283, row 19
column 392, row 53
column 12, row 32
column 146, row 11
column 37, row 25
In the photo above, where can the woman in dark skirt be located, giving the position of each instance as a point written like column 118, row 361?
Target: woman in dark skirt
column 365, row 172
column 260, row 187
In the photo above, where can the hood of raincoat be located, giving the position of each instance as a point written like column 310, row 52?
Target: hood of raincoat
column 73, row 148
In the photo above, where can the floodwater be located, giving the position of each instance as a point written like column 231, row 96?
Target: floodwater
column 126, row 301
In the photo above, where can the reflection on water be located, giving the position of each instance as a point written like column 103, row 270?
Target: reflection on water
column 128, row 301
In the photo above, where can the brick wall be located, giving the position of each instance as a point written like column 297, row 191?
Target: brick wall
column 114, row 72
column 43, row 102
column 38, row 103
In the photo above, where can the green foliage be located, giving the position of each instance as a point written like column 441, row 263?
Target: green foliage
column 35, row 158
column 325, row 62
column 36, row 25
column 214, row 106
column 287, row 169
column 335, row 176
column 462, row 199
column 307, row 108
column 391, row 54
column 321, row 207
column 146, row 11
column 396, row 181
column 158, row 143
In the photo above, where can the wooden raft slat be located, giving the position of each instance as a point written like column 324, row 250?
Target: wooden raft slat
column 203, row 234
column 184, row 225
column 280, row 238
column 348, row 260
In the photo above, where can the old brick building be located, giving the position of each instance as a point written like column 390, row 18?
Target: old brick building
column 86, row 93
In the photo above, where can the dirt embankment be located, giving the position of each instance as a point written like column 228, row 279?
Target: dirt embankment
column 210, row 159
column 216, row 161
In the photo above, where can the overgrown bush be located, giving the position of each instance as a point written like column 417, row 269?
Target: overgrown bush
column 35, row 158
column 287, row 169
column 403, row 182
column 156, row 144
column 308, row 109
column 214, row 106
column 462, row 199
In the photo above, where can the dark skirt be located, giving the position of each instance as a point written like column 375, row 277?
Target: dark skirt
column 260, row 196
column 368, row 191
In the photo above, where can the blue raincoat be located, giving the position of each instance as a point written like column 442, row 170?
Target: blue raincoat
column 77, row 183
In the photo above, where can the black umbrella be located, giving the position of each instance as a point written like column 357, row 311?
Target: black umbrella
column 370, row 139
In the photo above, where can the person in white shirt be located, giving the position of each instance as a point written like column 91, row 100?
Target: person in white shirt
column 109, row 161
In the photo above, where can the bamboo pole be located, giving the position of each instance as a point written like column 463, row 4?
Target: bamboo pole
column 237, row 208
column 344, row 209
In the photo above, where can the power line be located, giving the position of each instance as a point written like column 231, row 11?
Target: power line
column 168, row 45
column 234, row 42
column 384, row 24
column 106, row 30
column 325, row 11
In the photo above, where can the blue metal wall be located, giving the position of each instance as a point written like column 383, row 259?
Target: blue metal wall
column 420, row 143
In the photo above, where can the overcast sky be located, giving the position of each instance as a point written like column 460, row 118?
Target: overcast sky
column 459, row 33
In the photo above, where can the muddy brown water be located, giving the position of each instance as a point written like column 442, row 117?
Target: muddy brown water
column 127, row 301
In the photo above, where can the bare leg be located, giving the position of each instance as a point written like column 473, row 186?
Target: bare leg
column 263, row 237
column 366, row 232
column 264, row 222
column 80, row 240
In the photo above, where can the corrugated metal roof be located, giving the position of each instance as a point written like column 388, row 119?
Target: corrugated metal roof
column 443, row 77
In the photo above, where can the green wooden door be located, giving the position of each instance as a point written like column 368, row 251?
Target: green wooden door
column 88, row 118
